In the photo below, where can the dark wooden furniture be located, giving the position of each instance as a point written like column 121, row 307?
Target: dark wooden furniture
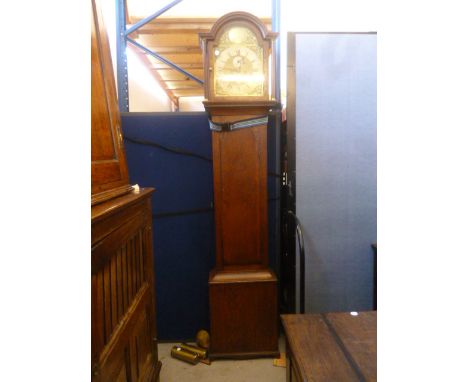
column 243, row 315
column 331, row 347
column 242, row 288
column 109, row 174
column 124, row 346
column 123, row 316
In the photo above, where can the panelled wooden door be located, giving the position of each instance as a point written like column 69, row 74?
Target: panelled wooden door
column 109, row 172
column 240, row 191
column 124, row 346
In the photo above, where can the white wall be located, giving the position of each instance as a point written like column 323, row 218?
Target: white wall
column 323, row 16
column 191, row 104
column 145, row 93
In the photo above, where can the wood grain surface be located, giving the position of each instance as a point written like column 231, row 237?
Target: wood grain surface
column 240, row 192
column 331, row 347
column 109, row 173
column 359, row 336
column 243, row 291
column 123, row 321
column 244, row 320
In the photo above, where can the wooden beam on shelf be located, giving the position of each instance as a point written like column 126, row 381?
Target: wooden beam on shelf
column 174, row 75
column 169, row 40
column 188, row 20
column 175, row 49
column 170, row 29
column 181, row 86
column 187, row 65
column 182, row 58
column 190, row 89
column 188, row 92
column 179, row 25
column 180, row 82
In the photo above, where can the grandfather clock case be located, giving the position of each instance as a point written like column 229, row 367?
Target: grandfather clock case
column 242, row 288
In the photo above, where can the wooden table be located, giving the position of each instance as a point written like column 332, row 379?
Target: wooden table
column 331, row 347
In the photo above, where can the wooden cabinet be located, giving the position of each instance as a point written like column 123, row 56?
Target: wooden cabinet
column 123, row 314
column 124, row 346
column 109, row 174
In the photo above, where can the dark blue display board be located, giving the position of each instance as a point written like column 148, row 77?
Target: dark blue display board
column 184, row 244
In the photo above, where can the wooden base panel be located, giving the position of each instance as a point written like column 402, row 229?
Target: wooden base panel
column 244, row 316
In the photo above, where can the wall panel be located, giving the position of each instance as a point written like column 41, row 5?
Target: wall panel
column 336, row 158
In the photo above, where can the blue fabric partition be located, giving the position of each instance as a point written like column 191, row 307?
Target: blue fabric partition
column 184, row 245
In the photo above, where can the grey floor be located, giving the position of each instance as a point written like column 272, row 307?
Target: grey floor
column 252, row 370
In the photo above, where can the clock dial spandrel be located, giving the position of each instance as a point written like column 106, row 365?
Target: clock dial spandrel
column 238, row 64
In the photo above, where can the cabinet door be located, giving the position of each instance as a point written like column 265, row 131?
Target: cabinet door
column 109, row 175
column 123, row 321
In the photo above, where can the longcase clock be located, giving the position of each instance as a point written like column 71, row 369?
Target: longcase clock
column 242, row 288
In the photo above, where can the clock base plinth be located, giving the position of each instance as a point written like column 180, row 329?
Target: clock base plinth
column 243, row 313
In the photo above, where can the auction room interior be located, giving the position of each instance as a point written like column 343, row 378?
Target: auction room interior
column 234, row 194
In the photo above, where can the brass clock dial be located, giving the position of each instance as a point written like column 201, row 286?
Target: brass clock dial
column 238, row 64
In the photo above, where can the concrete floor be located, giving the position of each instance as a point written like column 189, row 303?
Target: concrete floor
column 251, row 370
